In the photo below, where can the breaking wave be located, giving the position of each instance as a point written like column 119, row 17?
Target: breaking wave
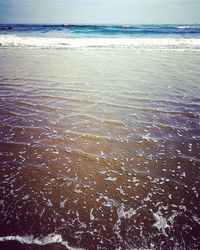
column 185, row 44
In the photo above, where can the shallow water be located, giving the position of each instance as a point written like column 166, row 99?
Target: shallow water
column 99, row 149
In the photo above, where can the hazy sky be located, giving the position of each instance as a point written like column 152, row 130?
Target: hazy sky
column 100, row 11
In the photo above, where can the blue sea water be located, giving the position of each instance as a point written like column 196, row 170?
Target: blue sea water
column 183, row 30
column 138, row 37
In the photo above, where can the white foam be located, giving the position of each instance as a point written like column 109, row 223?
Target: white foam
column 49, row 203
column 62, row 203
column 126, row 214
column 110, row 178
column 91, row 215
column 188, row 27
column 184, row 27
column 185, row 44
column 161, row 222
column 196, row 219
column 25, row 197
column 30, row 240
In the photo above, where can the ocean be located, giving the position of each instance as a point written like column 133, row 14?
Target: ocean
column 99, row 137
column 143, row 37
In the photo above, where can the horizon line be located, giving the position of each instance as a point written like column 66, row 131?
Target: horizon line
column 92, row 24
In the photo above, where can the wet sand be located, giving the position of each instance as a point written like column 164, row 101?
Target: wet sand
column 99, row 149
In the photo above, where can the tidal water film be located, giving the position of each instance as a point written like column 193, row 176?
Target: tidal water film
column 99, row 149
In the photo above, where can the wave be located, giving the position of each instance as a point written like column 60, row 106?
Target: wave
column 185, row 44
column 30, row 240
column 103, row 30
column 188, row 27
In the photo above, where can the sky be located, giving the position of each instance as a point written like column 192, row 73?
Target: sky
column 100, row 11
